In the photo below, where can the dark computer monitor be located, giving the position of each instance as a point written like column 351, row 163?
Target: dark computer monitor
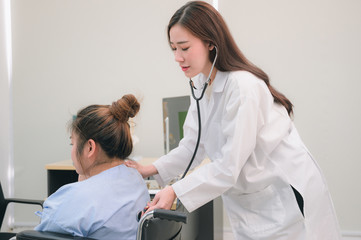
column 174, row 114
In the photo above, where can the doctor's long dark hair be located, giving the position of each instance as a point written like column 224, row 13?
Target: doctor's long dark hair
column 205, row 22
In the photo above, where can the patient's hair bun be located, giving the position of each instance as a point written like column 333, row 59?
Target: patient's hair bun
column 125, row 108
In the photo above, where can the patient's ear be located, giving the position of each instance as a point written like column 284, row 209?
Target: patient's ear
column 91, row 149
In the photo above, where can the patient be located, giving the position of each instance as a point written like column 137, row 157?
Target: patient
column 105, row 203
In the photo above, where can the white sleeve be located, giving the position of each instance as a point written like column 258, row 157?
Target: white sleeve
column 241, row 121
column 176, row 161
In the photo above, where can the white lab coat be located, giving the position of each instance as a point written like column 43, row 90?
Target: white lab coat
column 256, row 156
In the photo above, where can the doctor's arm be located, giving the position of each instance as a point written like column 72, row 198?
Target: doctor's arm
column 163, row 199
column 211, row 180
column 176, row 161
column 239, row 126
column 171, row 165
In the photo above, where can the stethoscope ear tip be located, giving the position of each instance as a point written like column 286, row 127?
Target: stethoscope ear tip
column 192, row 84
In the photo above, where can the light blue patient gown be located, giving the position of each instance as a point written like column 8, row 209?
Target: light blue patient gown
column 101, row 207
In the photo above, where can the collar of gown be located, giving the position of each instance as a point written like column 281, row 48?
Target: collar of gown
column 218, row 83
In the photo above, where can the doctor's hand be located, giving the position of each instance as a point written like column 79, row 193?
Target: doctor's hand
column 163, row 199
column 81, row 178
column 145, row 171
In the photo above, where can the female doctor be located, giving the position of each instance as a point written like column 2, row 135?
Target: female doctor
column 271, row 186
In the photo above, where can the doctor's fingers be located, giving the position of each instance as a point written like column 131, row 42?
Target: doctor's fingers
column 159, row 201
column 154, row 201
column 159, row 205
column 131, row 163
column 151, row 205
column 162, row 200
column 144, row 170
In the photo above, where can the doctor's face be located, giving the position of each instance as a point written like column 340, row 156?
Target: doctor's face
column 190, row 52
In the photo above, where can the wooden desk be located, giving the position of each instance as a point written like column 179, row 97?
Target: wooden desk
column 59, row 174
column 63, row 172
column 205, row 223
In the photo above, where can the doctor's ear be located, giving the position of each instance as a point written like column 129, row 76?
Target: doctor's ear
column 211, row 46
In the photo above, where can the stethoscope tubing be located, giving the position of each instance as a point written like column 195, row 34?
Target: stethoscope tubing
column 197, row 99
column 198, row 140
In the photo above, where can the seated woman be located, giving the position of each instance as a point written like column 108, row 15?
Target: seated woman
column 105, row 203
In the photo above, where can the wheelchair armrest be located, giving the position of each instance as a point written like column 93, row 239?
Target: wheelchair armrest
column 170, row 215
column 26, row 201
column 156, row 217
column 37, row 235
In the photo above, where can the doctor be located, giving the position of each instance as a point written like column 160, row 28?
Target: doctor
column 271, row 186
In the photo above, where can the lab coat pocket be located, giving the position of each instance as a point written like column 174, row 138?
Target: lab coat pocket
column 261, row 211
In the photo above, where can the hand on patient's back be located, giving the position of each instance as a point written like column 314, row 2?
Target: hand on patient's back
column 144, row 170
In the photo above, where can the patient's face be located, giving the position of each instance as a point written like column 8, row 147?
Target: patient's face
column 74, row 154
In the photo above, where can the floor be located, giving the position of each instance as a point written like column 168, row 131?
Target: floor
column 227, row 235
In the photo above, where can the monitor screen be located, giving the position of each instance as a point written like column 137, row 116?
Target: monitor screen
column 174, row 114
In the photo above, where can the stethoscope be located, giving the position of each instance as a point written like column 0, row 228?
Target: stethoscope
column 139, row 214
column 198, row 109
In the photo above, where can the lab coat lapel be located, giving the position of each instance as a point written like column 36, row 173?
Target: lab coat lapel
column 219, row 84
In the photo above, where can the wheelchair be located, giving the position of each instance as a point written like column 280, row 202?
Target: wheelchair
column 159, row 224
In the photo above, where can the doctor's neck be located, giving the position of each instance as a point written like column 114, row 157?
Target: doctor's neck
column 213, row 75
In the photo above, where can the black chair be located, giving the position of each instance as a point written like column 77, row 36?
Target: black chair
column 36, row 235
column 4, row 202
column 159, row 224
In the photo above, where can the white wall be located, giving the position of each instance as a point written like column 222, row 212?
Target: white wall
column 6, row 143
column 69, row 54
column 312, row 52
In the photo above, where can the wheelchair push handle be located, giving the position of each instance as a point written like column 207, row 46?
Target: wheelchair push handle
column 170, row 215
